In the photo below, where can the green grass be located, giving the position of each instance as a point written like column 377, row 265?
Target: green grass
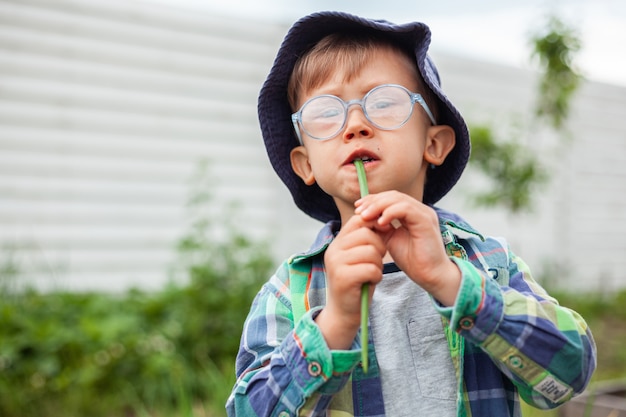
column 102, row 355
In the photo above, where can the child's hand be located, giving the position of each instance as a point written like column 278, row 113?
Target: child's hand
column 354, row 257
column 417, row 246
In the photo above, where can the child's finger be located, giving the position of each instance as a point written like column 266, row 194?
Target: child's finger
column 385, row 209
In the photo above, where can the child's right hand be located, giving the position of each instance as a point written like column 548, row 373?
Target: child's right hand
column 354, row 257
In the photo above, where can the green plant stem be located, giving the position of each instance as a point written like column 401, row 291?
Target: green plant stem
column 365, row 289
column 360, row 172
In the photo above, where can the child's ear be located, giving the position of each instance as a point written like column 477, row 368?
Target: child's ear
column 440, row 141
column 301, row 166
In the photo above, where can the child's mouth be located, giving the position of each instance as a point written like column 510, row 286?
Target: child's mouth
column 364, row 156
column 361, row 155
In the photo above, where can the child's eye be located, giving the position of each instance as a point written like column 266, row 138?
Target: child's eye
column 328, row 113
column 382, row 104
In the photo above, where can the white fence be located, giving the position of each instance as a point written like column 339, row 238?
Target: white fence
column 108, row 107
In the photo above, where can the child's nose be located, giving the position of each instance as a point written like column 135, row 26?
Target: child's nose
column 357, row 124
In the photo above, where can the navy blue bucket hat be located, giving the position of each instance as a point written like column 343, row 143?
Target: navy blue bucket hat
column 275, row 113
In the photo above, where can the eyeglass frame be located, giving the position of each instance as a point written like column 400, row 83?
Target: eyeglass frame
column 296, row 118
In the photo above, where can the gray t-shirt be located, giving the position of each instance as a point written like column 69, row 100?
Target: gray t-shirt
column 417, row 374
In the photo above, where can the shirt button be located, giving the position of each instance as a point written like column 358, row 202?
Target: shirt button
column 315, row 369
column 283, row 414
column 466, row 323
column 516, row 362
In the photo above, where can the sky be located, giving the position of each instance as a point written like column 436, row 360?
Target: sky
column 489, row 30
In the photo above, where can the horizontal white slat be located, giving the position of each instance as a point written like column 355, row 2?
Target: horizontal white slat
column 66, row 23
column 73, row 118
column 151, row 171
column 74, row 72
column 115, row 196
column 31, row 239
column 140, row 12
column 14, row 210
column 85, row 225
column 223, row 144
column 94, row 167
column 128, row 103
column 75, row 197
column 209, row 107
column 80, row 189
column 109, row 53
column 473, row 89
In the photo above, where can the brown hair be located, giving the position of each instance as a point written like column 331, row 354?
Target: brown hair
column 349, row 52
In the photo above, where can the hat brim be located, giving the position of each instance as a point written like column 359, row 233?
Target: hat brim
column 275, row 114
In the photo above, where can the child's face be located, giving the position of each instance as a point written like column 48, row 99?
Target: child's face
column 394, row 159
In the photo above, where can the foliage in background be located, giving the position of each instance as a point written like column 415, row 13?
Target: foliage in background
column 555, row 47
column 514, row 172
column 94, row 354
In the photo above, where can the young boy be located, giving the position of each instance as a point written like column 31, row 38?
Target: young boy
column 457, row 325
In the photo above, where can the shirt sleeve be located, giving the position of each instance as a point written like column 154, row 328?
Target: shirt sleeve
column 545, row 349
column 281, row 366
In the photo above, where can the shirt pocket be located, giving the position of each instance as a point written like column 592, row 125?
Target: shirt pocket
column 431, row 358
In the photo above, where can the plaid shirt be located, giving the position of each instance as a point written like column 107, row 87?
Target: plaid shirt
column 507, row 338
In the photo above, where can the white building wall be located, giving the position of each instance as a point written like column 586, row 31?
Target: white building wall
column 108, row 107
column 574, row 233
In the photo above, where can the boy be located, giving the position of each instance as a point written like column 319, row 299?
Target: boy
column 457, row 324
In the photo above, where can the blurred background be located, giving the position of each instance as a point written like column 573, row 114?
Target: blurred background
column 139, row 213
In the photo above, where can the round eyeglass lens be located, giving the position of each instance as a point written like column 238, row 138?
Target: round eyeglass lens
column 388, row 107
column 323, row 116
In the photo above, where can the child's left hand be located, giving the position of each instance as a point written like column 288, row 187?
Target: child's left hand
column 416, row 246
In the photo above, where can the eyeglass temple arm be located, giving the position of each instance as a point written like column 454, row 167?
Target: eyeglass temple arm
column 294, row 120
column 419, row 99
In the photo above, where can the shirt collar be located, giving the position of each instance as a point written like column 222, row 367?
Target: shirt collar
column 447, row 220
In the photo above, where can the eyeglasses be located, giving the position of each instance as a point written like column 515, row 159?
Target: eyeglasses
column 387, row 106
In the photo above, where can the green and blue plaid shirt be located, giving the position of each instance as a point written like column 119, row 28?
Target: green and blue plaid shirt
column 507, row 338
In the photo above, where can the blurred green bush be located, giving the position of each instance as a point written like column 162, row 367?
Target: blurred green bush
column 93, row 354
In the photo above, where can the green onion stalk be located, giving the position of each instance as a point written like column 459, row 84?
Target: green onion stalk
column 360, row 171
